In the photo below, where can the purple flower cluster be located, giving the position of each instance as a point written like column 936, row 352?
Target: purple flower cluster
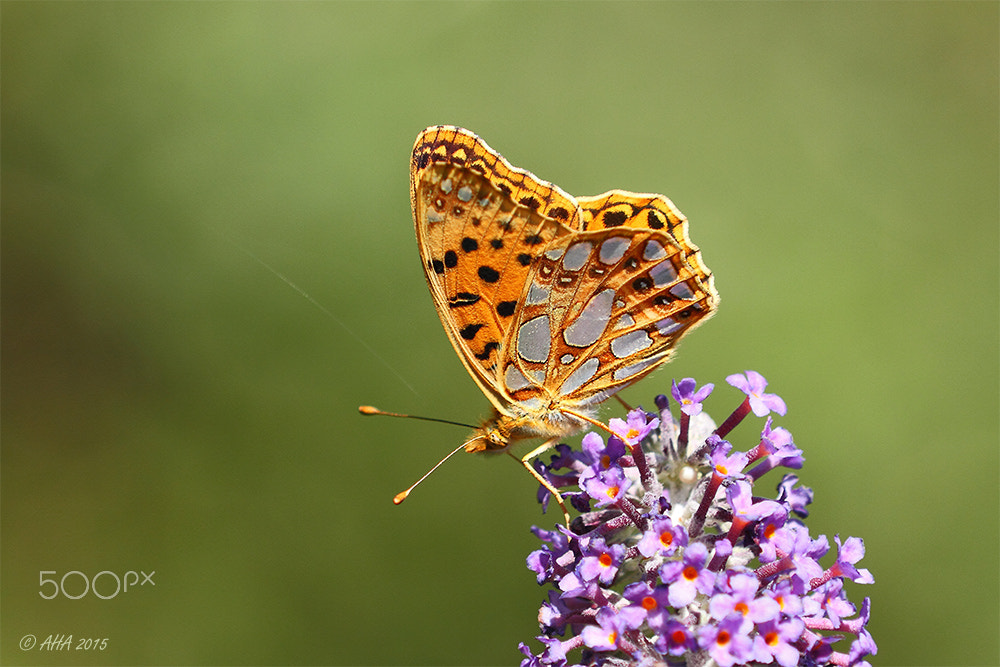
column 675, row 561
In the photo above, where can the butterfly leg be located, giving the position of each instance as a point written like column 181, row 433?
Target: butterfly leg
column 526, row 462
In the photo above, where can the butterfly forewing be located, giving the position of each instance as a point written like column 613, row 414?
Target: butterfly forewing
column 457, row 146
column 477, row 243
column 617, row 208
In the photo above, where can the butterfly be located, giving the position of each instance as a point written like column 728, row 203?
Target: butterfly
column 553, row 303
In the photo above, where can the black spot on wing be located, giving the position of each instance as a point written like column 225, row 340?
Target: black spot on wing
column 487, row 350
column 559, row 213
column 506, row 308
column 488, row 274
column 615, row 218
column 463, row 299
column 469, row 332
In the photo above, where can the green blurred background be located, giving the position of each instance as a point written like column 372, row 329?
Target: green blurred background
column 171, row 404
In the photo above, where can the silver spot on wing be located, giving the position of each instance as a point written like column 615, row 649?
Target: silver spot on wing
column 613, row 249
column 592, row 321
column 577, row 255
column 534, row 339
column 536, row 295
column 581, row 375
column 626, row 372
column 653, row 250
column 628, row 344
column 663, row 274
column 514, row 379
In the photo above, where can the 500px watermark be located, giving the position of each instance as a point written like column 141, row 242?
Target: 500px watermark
column 61, row 642
column 105, row 584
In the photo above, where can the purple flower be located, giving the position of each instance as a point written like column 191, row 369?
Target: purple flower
column 675, row 638
column 554, row 653
column 679, row 556
column 662, row 537
column 848, row 554
column 745, row 508
column 752, row 384
column 606, row 635
column 727, row 642
column 604, row 455
column 727, row 465
column 796, row 497
column 832, row 603
column 634, row 428
column 601, row 561
column 688, row 397
column 742, row 599
column 651, row 605
column 789, row 604
column 688, row 577
column 607, row 486
column 775, row 641
column 778, row 450
column 803, row 555
column 543, row 561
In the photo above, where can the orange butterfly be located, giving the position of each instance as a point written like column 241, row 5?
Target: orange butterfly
column 554, row 303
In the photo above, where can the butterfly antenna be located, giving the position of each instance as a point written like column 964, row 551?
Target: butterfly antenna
column 369, row 410
column 401, row 496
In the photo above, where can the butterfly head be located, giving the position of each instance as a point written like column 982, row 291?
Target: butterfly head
column 500, row 430
column 485, row 441
column 493, row 435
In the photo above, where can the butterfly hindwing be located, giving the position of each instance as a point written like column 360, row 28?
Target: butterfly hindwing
column 602, row 309
column 477, row 243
